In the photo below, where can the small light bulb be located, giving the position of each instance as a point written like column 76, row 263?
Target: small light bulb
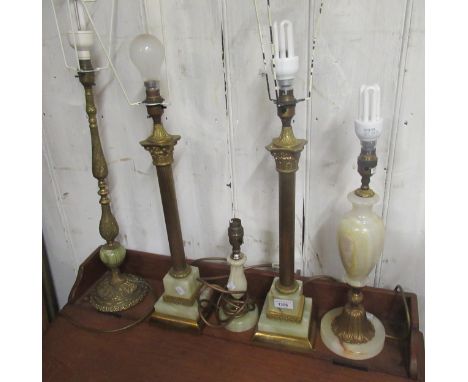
column 368, row 126
column 147, row 54
column 286, row 63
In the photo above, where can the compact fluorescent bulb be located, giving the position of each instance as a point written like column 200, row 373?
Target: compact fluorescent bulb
column 368, row 126
column 286, row 63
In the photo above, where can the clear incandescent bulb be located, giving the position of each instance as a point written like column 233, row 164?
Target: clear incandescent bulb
column 147, row 54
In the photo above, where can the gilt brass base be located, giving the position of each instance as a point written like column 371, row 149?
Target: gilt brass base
column 109, row 296
column 280, row 341
column 177, row 322
column 357, row 351
column 287, row 334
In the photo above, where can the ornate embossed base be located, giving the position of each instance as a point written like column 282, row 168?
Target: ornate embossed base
column 347, row 350
column 111, row 296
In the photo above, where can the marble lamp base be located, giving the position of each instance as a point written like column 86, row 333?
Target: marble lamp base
column 347, row 350
column 243, row 323
column 178, row 305
column 285, row 319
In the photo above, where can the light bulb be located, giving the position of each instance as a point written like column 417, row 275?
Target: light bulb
column 83, row 37
column 368, row 126
column 286, row 63
column 147, row 54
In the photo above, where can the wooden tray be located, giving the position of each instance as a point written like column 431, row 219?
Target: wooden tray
column 236, row 355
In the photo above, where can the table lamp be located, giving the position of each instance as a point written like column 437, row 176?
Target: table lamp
column 286, row 314
column 178, row 304
column 350, row 331
column 116, row 291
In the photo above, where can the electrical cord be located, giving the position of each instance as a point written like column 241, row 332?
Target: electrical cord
column 232, row 307
column 399, row 289
column 117, row 330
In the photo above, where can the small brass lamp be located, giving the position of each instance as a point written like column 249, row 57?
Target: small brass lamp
column 350, row 331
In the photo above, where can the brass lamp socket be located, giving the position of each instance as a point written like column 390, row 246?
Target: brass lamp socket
column 367, row 162
column 236, row 237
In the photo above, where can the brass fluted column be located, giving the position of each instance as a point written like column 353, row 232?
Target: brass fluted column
column 116, row 291
column 160, row 144
column 286, row 149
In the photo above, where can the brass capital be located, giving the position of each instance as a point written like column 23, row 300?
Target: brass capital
column 286, row 149
column 160, row 144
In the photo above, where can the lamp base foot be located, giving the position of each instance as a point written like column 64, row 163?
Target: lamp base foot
column 286, row 334
column 243, row 323
column 178, row 306
column 347, row 350
column 116, row 297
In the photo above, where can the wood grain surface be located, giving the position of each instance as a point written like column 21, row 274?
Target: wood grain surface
column 149, row 352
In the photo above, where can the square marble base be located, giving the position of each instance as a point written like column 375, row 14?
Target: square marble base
column 177, row 315
column 285, row 333
column 184, row 288
column 284, row 306
column 178, row 305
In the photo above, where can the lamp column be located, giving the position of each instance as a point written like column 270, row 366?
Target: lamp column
column 285, row 318
column 160, row 144
column 178, row 305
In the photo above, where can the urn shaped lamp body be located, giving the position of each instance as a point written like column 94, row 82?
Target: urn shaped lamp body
column 360, row 239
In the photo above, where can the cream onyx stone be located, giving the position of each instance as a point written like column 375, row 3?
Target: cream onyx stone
column 182, row 288
column 352, row 351
column 285, row 332
column 238, row 282
column 360, row 239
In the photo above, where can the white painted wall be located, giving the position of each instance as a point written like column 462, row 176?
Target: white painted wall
column 220, row 107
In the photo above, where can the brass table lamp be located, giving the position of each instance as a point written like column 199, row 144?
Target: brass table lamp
column 116, row 291
column 350, row 331
column 178, row 305
column 286, row 314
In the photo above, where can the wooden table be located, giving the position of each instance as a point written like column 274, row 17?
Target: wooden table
column 149, row 352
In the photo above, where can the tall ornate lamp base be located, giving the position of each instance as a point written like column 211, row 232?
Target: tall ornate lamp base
column 356, row 351
column 285, row 319
column 178, row 306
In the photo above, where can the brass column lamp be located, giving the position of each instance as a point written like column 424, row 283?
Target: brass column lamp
column 286, row 314
column 178, row 304
column 350, row 331
column 116, row 291
column 160, row 144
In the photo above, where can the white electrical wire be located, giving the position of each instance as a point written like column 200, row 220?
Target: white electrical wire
column 107, row 51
